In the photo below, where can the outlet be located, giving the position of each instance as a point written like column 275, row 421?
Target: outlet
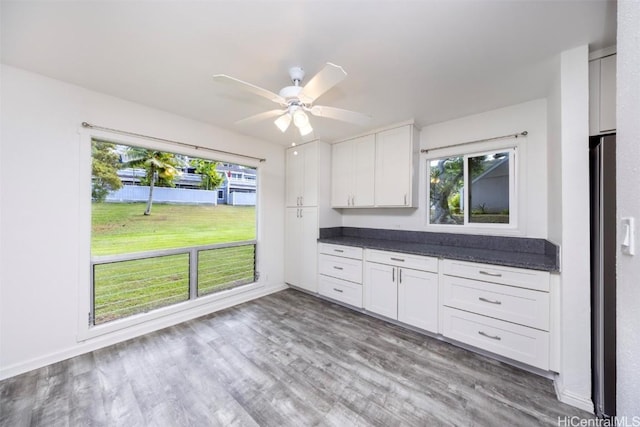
column 628, row 245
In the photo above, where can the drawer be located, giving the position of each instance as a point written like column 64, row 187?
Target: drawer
column 415, row 262
column 526, row 345
column 341, row 268
column 530, row 279
column 517, row 305
column 340, row 290
column 339, row 250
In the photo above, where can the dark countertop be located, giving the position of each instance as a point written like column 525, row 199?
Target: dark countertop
column 505, row 251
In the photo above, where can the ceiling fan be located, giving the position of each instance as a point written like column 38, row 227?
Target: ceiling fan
column 296, row 101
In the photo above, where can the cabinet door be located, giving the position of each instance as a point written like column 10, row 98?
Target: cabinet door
column 381, row 290
column 294, row 176
column 309, row 192
column 292, row 250
column 341, row 174
column 394, row 167
column 608, row 93
column 418, row 299
column 308, row 258
column 364, row 160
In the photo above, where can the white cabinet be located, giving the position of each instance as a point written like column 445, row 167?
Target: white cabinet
column 352, row 173
column 602, row 95
column 301, row 235
column 418, row 299
column 396, row 168
column 381, row 289
column 402, row 287
column 377, row 170
column 307, row 196
column 499, row 309
column 340, row 273
column 302, row 164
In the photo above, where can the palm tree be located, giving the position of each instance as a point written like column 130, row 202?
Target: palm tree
column 160, row 169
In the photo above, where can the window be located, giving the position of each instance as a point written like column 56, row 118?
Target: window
column 159, row 234
column 473, row 190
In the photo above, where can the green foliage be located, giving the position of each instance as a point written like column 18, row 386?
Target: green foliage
column 454, row 203
column 211, row 178
column 161, row 169
column 104, row 170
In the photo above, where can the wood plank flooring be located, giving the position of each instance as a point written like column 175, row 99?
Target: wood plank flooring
column 288, row 359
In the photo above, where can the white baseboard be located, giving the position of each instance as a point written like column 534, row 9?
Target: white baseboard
column 570, row 398
column 135, row 331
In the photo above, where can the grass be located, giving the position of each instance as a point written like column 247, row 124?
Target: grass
column 122, row 228
column 125, row 288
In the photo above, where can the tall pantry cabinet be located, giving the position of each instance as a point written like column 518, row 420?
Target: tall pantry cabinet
column 308, row 194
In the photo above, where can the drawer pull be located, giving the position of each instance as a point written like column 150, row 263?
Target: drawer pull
column 337, row 268
column 493, row 337
column 338, row 250
column 489, row 301
column 338, row 290
column 488, row 273
column 397, row 259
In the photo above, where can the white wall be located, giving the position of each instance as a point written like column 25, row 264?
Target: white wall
column 628, row 200
column 41, row 266
column 530, row 116
column 572, row 191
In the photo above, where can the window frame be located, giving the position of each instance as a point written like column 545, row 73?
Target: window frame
column 164, row 315
column 516, row 187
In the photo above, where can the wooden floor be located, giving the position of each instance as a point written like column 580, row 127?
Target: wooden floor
column 288, row 359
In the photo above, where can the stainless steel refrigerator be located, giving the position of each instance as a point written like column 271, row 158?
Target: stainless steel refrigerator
column 603, row 272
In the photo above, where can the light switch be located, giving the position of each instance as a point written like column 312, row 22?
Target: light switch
column 628, row 236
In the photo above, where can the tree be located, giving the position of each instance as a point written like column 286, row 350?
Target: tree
column 160, row 169
column 210, row 177
column 104, row 170
column 447, row 178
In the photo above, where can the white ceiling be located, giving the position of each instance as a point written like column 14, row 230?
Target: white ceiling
column 427, row 60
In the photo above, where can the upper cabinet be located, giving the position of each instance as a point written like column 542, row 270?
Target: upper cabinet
column 302, row 175
column 377, row 170
column 396, row 168
column 602, row 95
column 352, row 172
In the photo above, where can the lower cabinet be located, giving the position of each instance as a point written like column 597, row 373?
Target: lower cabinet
column 503, row 310
column 340, row 273
column 301, row 238
column 499, row 309
column 406, row 294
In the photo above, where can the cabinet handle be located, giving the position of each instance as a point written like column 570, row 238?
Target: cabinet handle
column 300, row 213
column 353, row 200
column 489, row 301
column 338, row 268
column 338, row 290
column 297, row 213
column 493, row 337
column 488, row 273
column 400, row 275
column 396, row 259
column 301, row 200
column 338, row 250
column 405, row 200
column 393, row 275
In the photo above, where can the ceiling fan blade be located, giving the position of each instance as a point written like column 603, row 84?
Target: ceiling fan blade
column 259, row 117
column 327, row 78
column 340, row 114
column 239, row 84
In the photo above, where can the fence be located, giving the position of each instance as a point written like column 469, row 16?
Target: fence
column 128, row 284
column 237, row 198
column 140, row 193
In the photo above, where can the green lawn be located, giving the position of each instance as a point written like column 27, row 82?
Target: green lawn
column 125, row 288
column 122, row 228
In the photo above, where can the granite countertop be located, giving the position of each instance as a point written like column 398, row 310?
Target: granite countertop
column 534, row 254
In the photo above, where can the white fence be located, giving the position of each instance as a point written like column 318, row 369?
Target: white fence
column 237, row 198
column 140, row 193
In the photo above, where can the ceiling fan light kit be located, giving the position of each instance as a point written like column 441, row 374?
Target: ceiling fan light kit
column 298, row 100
